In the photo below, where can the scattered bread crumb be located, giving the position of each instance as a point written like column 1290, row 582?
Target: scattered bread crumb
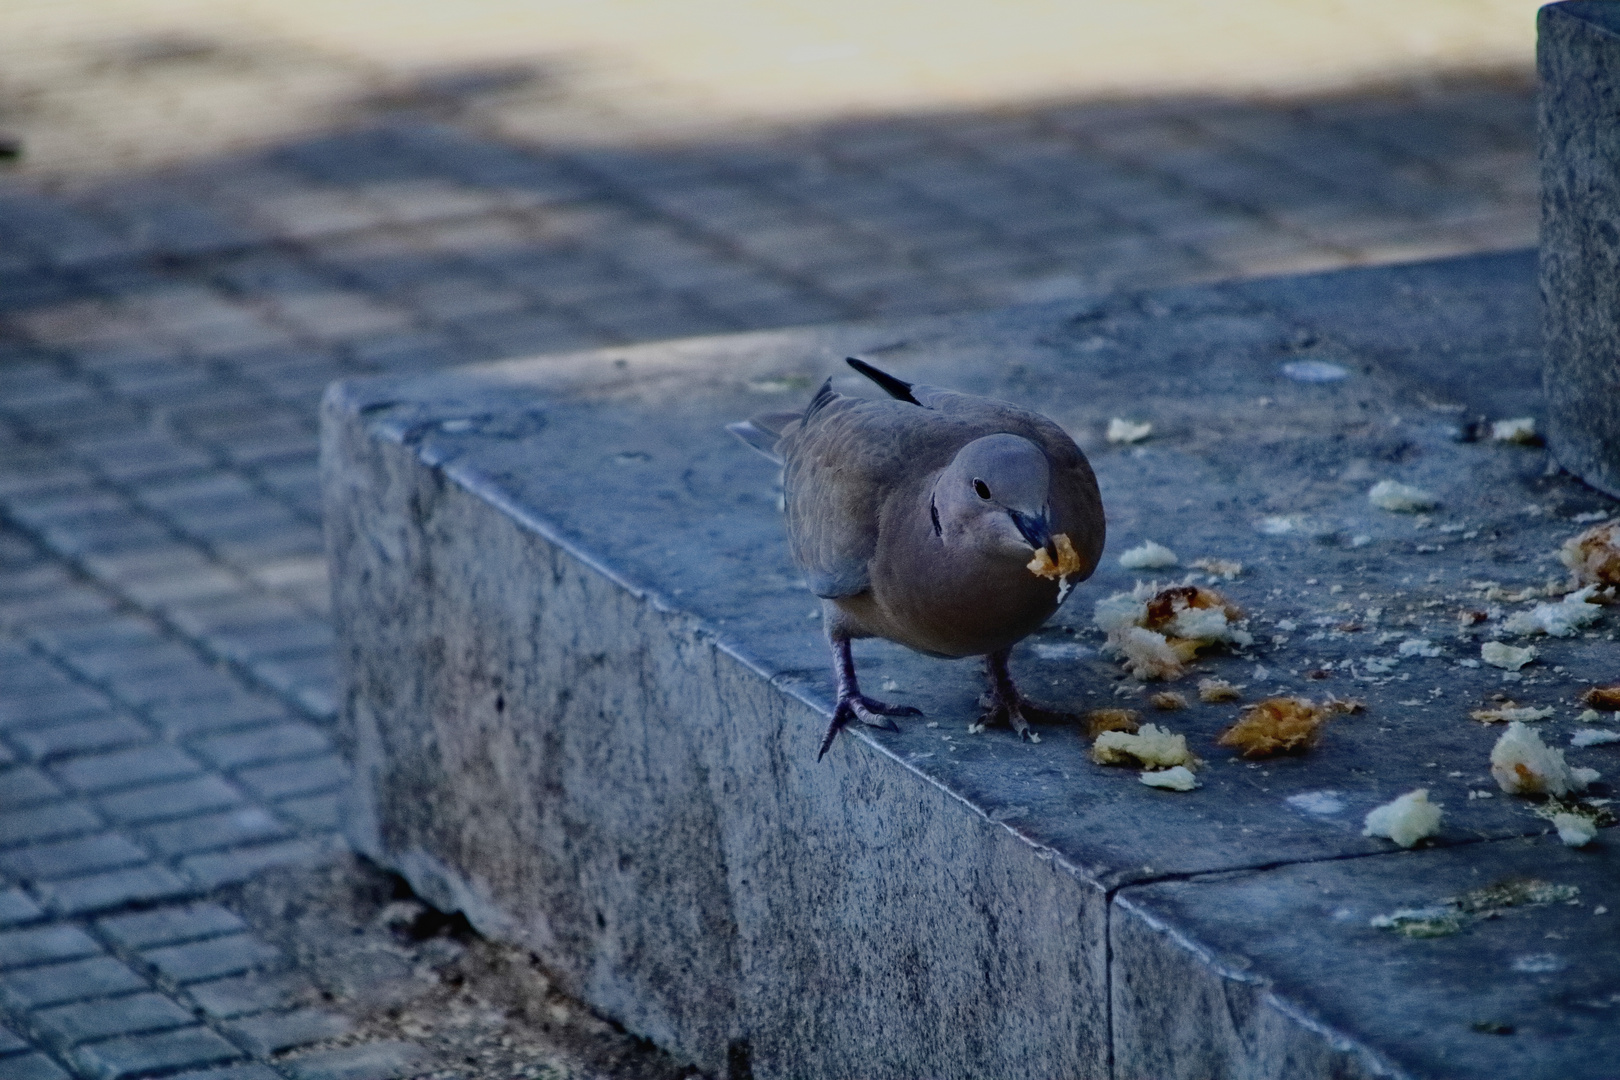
column 1101, row 720
column 1152, row 747
column 1158, row 632
column 1344, row 705
column 1168, row 700
column 1594, row 737
column 1175, row 778
column 1606, row 698
column 1594, row 556
column 1221, row 568
column 1506, row 657
column 1575, row 830
column 1275, row 726
column 1213, row 690
column 1524, row 765
column 1405, row 820
column 1400, row 498
column 1148, row 556
column 1124, row 431
column 1418, row 647
column 1562, row 619
column 1509, row 713
column 1521, row 429
column 1068, row 560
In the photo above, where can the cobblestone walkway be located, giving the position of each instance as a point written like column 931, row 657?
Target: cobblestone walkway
column 165, row 335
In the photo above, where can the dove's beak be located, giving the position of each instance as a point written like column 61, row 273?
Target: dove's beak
column 1036, row 530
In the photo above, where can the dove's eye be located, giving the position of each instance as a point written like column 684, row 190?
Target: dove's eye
column 981, row 488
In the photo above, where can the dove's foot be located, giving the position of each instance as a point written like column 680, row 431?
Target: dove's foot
column 1003, row 704
column 854, row 705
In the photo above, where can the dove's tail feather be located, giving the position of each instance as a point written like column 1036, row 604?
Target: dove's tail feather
column 763, row 432
column 895, row 388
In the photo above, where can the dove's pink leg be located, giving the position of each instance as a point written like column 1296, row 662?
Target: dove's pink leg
column 852, row 704
column 1003, row 702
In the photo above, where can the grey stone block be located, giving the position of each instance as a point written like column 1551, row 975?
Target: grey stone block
column 372, row 1061
column 51, row 984
column 47, row 822
column 241, row 994
column 33, row 1067
column 11, row 1042
column 272, row 1033
column 137, row 1055
column 126, row 768
column 262, row 744
column 74, row 737
column 252, row 1071
column 54, row 704
column 68, row 858
column 114, row 889
column 159, row 802
column 22, row 785
column 167, row 925
column 87, row 1020
column 212, row 958
column 582, row 693
column 16, row 908
column 300, row 777
column 20, row 948
column 206, row 832
column 1577, row 50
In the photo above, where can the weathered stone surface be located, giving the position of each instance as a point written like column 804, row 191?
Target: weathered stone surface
column 584, row 686
column 1578, row 61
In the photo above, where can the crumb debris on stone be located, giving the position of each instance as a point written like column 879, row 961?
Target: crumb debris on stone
column 1524, row 765
column 1101, row 720
column 1429, row 922
column 1279, row 725
column 1605, row 698
column 1159, row 631
column 1148, row 555
column 1221, row 568
column 1214, row 690
column 1175, row 778
column 1594, row 556
column 1067, row 562
column 1405, row 820
column 1508, row 713
column 1418, row 647
column 1593, row 737
column 1564, row 618
column 1513, row 892
column 1168, row 700
column 1346, row 706
column 1506, row 657
column 1575, row 830
column 1401, row 498
column 1152, row 747
column 1126, row 432
column 1520, row 429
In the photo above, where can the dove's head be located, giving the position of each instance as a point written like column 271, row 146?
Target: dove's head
column 993, row 497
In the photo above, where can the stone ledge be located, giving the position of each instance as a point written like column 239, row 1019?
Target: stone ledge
column 583, row 690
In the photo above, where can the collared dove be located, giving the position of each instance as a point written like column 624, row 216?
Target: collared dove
column 916, row 518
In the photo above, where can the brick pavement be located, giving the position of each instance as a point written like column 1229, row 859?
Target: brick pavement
column 165, row 335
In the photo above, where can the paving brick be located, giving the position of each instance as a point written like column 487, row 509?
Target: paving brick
column 235, row 709
column 138, row 1055
column 40, row 944
column 23, row 785
column 125, row 768
column 67, row 858
column 242, row 994
column 80, row 736
column 265, row 744
column 58, row 704
column 168, row 925
column 33, row 1067
column 251, row 1071
column 322, row 812
column 212, row 958
column 51, row 984
column 296, row 777
column 272, row 1033
column 372, row 1061
column 11, row 1042
column 157, row 802
column 113, row 889
column 87, row 1020
column 47, row 822
column 206, row 832
column 220, row 868
column 16, row 908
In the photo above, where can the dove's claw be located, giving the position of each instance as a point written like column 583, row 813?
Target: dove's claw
column 854, row 705
column 1004, row 704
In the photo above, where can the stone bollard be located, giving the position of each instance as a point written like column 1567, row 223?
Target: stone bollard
column 1578, row 61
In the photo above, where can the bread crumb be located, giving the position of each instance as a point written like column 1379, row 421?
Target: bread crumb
column 1158, row 632
column 1400, row 498
column 1344, row 705
column 1124, row 431
column 1506, row 657
column 1221, row 568
column 1561, row 619
column 1405, row 820
column 1418, row 647
column 1275, row 726
column 1606, row 698
column 1101, row 720
column 1175, row 778
column 1594, row 737
column 1213, row 690
column 1068, row 560
column 1152, row 747
column 1575, row 830
column 1509, row 713
column 1148, row 556
column 1594, row 556
column 1168, row 700
column 1150, row 655
column 1524, row 765
column 1521, row 429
